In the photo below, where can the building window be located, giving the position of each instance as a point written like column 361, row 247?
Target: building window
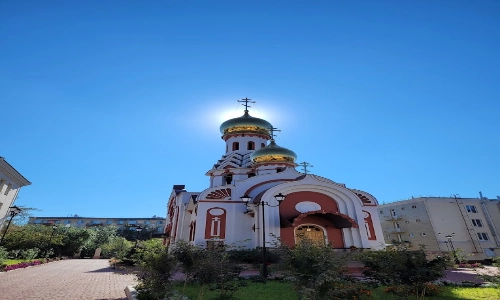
column 9, row 186
column 407, row 222
column 121, row 222
column 228, row 178
column 423, row 234
column 412, row 235
column 477, row 223
column 96, row 222
column 147, row 222
column 109, row 222
column 417, row 220
column 483, row 236
column 132, row 222
column 38, row 221
column 67, row 221
column 393, row 213
column 160, row 222
column 2, row 182
column 413, row 206
column 381, row 212
column 236, row 146
column 80, row 222
column 471, row 208
column 262, row 145
column 402, row 208
column 251, row 146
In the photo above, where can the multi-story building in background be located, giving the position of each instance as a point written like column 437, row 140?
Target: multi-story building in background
column 444, row 224
column 11, row 182
column 154, row 223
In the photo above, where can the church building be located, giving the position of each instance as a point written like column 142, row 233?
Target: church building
column 256, row 196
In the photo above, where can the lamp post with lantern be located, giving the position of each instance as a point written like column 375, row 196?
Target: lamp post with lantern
column 138, row 229
column 54, row 227
column 13, row 211
column 246, row 199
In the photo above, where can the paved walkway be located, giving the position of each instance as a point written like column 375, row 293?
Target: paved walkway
column 76, row 279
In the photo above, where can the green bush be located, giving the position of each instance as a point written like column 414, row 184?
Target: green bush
column 155, row 279
column 410, row 271
column 319, row 272
column 210, row 268
column 3, row 256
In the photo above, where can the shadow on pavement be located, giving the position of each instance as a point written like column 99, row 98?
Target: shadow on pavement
column 124, row 270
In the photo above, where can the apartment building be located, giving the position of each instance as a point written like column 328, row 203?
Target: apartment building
column 11, row 182
column 444, row 224
column 156, row 223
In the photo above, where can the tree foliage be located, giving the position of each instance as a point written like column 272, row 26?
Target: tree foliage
column 211, row 268
column 319, row 272
column 409, row 269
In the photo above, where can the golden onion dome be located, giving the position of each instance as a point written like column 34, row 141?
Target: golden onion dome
column 244, row 124
column 273, row 153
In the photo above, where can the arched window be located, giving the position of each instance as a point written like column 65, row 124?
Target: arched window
column 313, row 233
column 251, row 146
column 236, row 146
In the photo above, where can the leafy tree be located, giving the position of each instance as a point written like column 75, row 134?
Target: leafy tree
column 400, row 267
column 117, row 247
column 319, row 272
column 73, row 240
column 211, row 268
column 31, row 236
column 155, row 280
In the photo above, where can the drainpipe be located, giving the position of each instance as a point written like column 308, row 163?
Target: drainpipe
column 488, row 220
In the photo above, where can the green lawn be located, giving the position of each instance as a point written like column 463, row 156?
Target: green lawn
column 276, row 290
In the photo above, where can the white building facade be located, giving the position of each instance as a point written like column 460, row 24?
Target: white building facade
column 443, row 224
column 256, row 168
column 11, row 182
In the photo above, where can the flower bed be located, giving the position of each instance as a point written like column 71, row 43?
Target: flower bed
column 22, row 265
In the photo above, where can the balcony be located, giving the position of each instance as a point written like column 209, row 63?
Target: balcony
column 393, row 218
column 396, row 230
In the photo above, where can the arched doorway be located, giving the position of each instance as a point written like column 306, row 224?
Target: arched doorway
column 313, row 233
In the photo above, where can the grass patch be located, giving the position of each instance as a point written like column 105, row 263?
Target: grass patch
column 277, row 290
column 9, row 262
column 272, row 290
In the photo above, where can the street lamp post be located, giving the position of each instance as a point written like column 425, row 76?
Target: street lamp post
column 138, row 229
column 246, row 199
column 13, row 211
column 54, row 227
column 450, row 244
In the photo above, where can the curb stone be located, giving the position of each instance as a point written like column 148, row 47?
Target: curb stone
column 131, row 292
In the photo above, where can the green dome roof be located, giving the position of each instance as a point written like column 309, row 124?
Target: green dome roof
column 245, row 123
column 273, row 153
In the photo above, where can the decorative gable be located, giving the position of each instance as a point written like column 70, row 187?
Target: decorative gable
column 220, row 194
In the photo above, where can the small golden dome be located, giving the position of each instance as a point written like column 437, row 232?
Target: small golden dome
column 245, row 124
column 273, row 153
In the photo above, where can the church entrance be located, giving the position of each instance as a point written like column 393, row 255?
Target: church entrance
column 312, row 233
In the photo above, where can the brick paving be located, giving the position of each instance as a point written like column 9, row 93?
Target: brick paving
column 78, row 279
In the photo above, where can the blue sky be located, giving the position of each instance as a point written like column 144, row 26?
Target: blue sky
column 107, row 104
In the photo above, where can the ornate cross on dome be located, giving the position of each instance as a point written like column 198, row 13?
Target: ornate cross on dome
column 272, row 130
column 246, row 100
column 304, row 166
